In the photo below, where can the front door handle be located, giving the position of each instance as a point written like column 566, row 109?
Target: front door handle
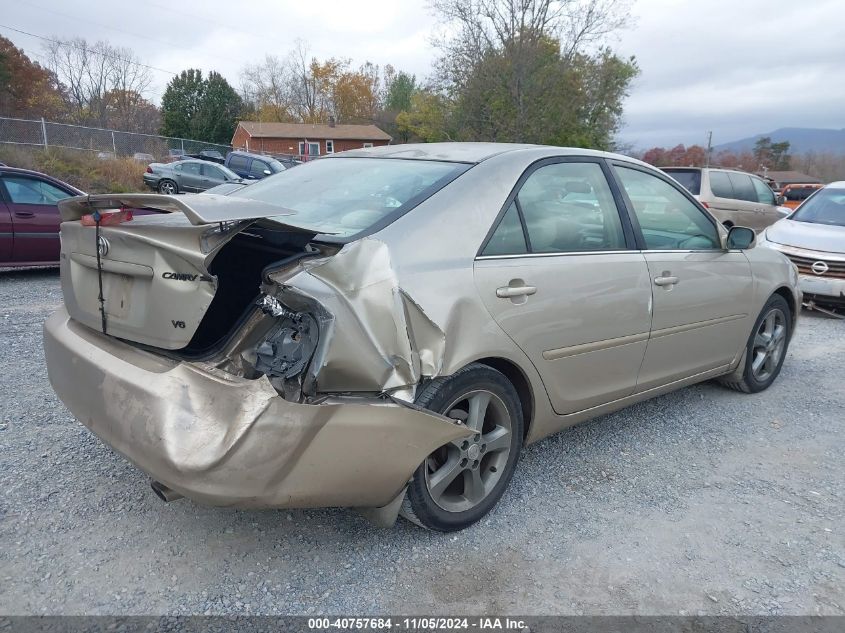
column 665, row 281
column 24, row 214
column 508, row 292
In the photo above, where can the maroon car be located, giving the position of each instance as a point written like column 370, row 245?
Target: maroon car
column 29, row 218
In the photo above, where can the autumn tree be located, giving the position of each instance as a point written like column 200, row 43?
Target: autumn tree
column 27, row 89
column 534, row 70
column 427, row 118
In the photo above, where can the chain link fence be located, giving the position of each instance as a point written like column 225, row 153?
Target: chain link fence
column 104, row 142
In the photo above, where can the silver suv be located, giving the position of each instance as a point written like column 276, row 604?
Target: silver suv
column 734, row 197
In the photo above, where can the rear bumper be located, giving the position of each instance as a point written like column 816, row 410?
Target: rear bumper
column 151, row 181
column 222, row 440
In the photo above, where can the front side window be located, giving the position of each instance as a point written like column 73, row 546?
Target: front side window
column 24, row 190
column 345, row 196
column 765, row 195
column 258, row 168
column 569, row 207
column 667, row 218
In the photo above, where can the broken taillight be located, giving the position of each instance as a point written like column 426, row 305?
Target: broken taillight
column 107, row 218
column 149, row 169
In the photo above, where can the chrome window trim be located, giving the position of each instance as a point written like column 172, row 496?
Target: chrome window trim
column 582, row 253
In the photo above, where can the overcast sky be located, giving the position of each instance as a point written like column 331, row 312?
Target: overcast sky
column 736, row 67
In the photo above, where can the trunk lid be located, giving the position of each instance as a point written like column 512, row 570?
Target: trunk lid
column 155, row 269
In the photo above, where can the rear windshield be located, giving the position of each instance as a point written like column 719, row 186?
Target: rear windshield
column 826, row 207
column 345, row 196
column 689, row 178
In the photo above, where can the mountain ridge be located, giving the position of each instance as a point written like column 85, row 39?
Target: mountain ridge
column 801, row 140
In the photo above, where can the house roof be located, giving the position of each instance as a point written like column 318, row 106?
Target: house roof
column 260, row 129
column 790, row 177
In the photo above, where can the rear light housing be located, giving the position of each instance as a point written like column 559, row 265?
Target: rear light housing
column 149, row 169
column 108, row 218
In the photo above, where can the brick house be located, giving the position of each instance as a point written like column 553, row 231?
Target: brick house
column 305, row 139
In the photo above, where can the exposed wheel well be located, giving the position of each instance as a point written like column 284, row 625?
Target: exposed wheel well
column 523, row 388
column 784, row 292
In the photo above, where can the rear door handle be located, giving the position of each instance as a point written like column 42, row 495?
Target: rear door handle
column 508, row 292
column 24, row 214
column 665, row 281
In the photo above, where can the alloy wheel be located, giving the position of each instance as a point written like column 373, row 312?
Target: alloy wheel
column 461, row 474
column 768, row 346
column 167, row 188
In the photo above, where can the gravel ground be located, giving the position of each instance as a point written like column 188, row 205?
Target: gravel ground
column 705, row 501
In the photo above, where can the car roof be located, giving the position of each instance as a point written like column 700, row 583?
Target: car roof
column 839, row 184
column 470, row 152
column 5, row 169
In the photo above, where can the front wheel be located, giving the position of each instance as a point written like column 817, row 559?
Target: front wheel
column 766, row 348
column 461, row 482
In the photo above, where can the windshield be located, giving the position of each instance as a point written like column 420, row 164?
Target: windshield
column 345, row 196
column 690, row 179
column 827, row 206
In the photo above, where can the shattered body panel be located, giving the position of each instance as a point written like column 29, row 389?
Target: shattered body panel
column 228, row 441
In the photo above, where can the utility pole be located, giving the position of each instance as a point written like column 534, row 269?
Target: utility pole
column 709, row 147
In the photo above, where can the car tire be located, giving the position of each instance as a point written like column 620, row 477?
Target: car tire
column 168, row 187
column 766, row 348
column 462, row 481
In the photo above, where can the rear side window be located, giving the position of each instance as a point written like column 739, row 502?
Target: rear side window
column 720, row 185
column 508, row 239
column 566, row 207
column 191, row 168
column 236, row 161
column 689, row 178
column 743, row 187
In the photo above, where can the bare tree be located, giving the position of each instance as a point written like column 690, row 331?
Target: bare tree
column 97, row 78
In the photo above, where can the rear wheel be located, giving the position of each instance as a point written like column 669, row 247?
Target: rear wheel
column 461, row 482
column 766, row 347
column 168, row 187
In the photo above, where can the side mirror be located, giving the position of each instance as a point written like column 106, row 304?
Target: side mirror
column 267, row 172
column 779, row 200
column 740, row 238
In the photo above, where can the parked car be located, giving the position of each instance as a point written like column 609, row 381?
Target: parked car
column 186, row 176
column 143, row 157
column 253, row 166
column 318, row 339
column 813, row 237
column 29, row 217
column 735, row 198
column 174, row 154
column 794, row 195
column 209, row 154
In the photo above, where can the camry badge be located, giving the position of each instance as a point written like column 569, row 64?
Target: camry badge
column 820, row 268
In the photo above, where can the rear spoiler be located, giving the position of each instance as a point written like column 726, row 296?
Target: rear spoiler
column 206, row 208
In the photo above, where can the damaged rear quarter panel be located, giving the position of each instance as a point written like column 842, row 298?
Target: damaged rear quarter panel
column 403, row 300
